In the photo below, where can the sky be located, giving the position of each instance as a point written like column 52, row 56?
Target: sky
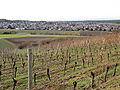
column 59, row 10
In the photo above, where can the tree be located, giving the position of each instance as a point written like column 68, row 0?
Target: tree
column 10, row 27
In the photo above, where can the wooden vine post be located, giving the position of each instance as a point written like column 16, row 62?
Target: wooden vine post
column 29, row 69
column 88, row 51
column 0, row 71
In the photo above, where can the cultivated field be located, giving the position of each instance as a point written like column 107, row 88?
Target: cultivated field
column 40, row 41
column 54, row 32
column 21, row 35
column 73, row 63
column 43, row 32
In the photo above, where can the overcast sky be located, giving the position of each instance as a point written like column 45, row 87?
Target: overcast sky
column 59, row 10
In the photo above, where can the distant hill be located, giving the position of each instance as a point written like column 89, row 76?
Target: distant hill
column 106, row 21
column 4, row 20
column 101, row 21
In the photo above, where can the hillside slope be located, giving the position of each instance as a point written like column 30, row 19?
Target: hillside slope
column 5, row 44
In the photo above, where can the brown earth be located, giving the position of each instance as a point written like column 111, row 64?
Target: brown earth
column 24, row 42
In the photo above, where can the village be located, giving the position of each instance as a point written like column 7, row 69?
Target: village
column 58, row 25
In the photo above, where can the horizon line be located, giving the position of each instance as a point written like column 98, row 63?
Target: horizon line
column 61, row 20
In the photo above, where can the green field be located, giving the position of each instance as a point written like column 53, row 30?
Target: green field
column 21, row 35
column 5, row 44
column 39, row 32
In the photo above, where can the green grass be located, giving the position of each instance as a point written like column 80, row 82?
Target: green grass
column 5, row 44
column 44, row 32
column 21, row 35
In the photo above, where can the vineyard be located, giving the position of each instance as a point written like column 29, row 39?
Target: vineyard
column 77, row 64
